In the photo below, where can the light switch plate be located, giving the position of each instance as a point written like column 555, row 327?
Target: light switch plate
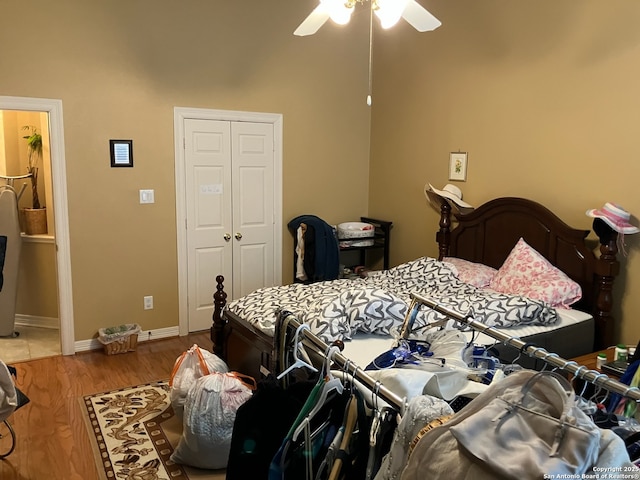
column 147, row 196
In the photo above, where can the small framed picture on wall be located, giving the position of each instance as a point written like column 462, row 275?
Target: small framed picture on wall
column 458, row 166
column 121, row 153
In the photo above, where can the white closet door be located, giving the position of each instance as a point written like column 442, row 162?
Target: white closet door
column 230, row 211
column 208, row 202
column 253, row 206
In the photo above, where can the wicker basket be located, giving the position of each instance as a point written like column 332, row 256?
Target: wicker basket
column 120, row 339
column 127, row 344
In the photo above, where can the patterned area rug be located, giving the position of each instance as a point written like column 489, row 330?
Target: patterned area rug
column 134, row 432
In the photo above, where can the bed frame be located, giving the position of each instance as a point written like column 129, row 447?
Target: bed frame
column 486, row 235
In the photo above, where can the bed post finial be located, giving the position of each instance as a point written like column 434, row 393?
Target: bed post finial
column 607, row 267
column 217, row 329
column 443, row 237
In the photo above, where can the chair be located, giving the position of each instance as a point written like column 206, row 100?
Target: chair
column 11, row 399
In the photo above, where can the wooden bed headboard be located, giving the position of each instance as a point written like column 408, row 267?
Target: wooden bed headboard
column 488, row 233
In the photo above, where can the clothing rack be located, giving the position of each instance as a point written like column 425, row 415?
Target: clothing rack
column 10, row 179
column 580, row 371
column 312, row 341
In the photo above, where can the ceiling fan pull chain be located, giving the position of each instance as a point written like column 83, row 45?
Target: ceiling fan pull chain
column 370, row 57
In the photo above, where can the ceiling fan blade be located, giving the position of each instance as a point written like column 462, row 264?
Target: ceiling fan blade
column 313, row 22
column 419, row 18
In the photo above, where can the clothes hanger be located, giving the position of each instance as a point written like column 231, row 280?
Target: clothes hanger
column 377, row 413
column 346, row 376
column 380, row 426
column 514, row 366
column 298, row 363
column 331, row 384
column 599, row 388
column 349, row 426
column 586, row 382
column 552, row 355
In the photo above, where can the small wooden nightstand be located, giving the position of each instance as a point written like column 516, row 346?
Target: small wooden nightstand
column 589, row 360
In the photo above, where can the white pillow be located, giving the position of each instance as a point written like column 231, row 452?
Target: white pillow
column 475, row 274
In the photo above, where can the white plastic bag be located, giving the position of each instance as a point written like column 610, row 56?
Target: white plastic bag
column 209, row 415
column 191, row 365
column 8, row 395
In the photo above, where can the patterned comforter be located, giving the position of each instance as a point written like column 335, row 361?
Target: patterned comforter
column 378, row 304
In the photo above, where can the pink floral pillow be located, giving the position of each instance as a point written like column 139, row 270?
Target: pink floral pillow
column 475, row 274
column 526, row 272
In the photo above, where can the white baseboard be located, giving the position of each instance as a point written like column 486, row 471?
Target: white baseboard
column 93, row 343
column 143, row 336
column 35, row 321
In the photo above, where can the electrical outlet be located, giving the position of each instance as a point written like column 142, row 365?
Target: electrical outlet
column 148, row 302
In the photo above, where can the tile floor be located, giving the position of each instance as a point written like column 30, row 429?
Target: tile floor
column 33, row 342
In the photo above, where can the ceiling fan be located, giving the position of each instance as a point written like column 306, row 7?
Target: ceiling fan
column 388, row 11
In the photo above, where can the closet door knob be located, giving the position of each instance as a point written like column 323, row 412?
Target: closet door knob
column 238, row 236
column 227, row 237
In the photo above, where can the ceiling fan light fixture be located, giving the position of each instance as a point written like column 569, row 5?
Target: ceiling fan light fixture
column 339, row 11
column 388, row 11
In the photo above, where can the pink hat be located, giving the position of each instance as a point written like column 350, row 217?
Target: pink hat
column 614, row 216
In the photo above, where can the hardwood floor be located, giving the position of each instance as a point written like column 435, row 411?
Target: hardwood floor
column 52, row 440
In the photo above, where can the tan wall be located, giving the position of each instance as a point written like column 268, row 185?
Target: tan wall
column 121, row 67
column 37, row 284
column 9, row 153
column 544, row 97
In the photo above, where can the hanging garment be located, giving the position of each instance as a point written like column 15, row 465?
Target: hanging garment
column 261, row 426
column 350, row 461
column 301, row 274
column 419, row 412
column 3, row 251
column 381, row 432
column 298, row 458
column 621, row 405
column 314, row 429
column 524, row 426
column 320, row 242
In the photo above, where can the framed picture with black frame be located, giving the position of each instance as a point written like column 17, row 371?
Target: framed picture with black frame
column 121, row 153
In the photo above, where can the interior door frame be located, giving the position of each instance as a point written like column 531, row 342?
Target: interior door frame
column 60, row 208
column 179, row 115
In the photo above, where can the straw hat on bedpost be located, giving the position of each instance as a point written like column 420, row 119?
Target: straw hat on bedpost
column 451, row 194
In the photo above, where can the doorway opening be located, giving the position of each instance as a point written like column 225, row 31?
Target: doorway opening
column 48, row 253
